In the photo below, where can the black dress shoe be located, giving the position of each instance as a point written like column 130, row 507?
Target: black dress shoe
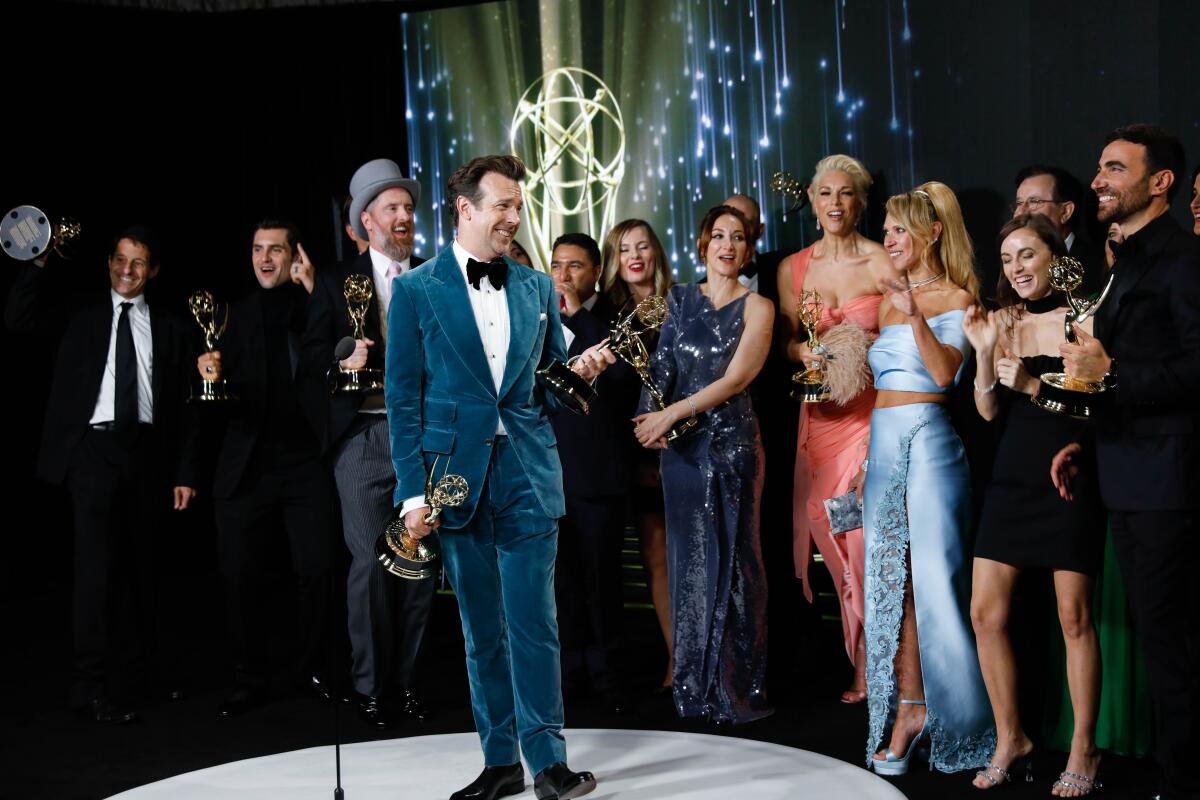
column 413, row 708
column 241, row 700
column 493, row 782
column 105, row 713
column 374, row 713
column 558, row 782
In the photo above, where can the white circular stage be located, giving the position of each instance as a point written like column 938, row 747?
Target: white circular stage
column 632, row 765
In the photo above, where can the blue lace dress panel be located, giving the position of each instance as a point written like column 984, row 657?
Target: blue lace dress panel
column 916, row 512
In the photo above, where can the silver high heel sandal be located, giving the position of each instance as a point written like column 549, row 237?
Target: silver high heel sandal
column 894, row 765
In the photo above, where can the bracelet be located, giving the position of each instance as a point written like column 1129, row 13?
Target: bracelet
column 692, row 405
column 989, row 389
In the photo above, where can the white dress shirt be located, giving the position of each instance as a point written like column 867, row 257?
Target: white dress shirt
column 489, row 306
column 143, row 343
column 1070, row 240
column 749, row 281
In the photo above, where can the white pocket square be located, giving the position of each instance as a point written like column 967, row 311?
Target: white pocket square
column 542, row 317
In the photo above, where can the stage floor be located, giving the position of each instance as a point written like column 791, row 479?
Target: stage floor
column 629, row 764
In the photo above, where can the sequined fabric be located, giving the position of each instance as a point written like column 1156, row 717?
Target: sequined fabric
column 712, row 484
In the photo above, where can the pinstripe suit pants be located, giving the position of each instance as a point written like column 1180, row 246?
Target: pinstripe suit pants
column 387, row 615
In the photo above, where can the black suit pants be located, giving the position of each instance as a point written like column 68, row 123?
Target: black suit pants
column 299, row 498
column 587, row 586
column 1158, row 552
column 121, row 562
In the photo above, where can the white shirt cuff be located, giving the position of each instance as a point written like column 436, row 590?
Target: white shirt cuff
column 413, row 503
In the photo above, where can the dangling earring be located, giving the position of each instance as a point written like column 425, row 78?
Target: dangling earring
column 818, row 224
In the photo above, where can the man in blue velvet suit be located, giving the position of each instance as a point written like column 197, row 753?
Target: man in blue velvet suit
column 466, row 333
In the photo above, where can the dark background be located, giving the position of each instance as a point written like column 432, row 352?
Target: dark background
column 202, row 123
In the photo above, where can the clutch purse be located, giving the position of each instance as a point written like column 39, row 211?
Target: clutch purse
column 844, row 513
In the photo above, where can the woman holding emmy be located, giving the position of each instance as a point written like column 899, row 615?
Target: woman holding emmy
column 714, row 342
column 1025, row 523
column 635, row 267
column 921, row 660
column 843, row 268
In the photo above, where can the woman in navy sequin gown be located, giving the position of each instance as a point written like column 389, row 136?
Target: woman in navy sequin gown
column 714, row 342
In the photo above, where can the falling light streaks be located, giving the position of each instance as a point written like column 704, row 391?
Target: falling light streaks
column 717, row 95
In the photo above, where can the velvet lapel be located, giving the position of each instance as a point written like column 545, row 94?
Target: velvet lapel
column 523, row 322
column 447, row 292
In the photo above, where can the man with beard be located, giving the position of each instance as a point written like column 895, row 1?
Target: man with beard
column 268, row 467
column 467, row 334
column 1146, row 349
column 386, row 615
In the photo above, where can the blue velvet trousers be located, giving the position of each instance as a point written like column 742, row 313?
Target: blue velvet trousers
column 502, row 568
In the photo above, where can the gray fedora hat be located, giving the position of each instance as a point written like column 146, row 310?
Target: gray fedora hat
column 369, row 180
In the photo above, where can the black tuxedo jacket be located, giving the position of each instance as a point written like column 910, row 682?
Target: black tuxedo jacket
column 594, row 449
column 79, row 368
column 328, row 323
column 1146, row 445
column 244, row 368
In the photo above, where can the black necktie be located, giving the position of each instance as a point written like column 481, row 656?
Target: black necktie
column 125, row 410
column 496, row 272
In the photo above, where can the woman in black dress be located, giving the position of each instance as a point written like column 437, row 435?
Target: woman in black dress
column 1025, row 522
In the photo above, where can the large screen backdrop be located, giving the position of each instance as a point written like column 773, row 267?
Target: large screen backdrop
column 659, row 110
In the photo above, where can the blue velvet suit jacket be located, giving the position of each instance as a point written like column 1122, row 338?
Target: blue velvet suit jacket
column 441, row 398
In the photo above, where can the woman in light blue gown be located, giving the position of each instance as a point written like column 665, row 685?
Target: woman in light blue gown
column 922, row 668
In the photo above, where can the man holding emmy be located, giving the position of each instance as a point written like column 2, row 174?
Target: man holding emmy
column 118, row 436
column 269, row 468
column 1146, row 349
column 466, row 334
column 386, row 616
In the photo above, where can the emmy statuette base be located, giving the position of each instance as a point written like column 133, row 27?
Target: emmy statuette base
column 567, row 386
column 1062, row 394
column 211, row 392
column 405, row 557
column 360, row 381
column 807, row 388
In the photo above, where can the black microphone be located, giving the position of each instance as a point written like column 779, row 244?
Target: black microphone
column 344, row 349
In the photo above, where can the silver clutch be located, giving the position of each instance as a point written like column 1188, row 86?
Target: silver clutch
column 844, row 513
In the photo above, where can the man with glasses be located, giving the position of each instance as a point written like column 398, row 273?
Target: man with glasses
column 1057, row 195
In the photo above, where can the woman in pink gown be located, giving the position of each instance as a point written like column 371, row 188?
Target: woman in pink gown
column 844, row 267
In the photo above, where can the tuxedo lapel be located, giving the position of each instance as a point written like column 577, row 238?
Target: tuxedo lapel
column 524, row 322
column 447, row 293
column 158, row 348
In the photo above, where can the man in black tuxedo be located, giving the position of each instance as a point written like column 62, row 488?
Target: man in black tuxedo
column 596, row 470
column 1146, row 348
column 1058, row 196
column 116, row 433
column 269, row 469
column 387, row 615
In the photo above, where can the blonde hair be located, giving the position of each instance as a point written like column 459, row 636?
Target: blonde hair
column 610, row 256
column 916, row 211
column 860, row 179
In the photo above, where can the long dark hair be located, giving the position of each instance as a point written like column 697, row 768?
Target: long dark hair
column 1006, row 295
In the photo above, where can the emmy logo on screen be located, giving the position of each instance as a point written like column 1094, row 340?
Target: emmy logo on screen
column 26, row 233
column 358, row 290
column 1059, row 392
column 418, row 559
column 207, row 311
column 809, row 385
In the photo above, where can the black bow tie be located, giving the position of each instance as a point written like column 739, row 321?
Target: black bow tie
column 496, row 272
column 749, row 269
